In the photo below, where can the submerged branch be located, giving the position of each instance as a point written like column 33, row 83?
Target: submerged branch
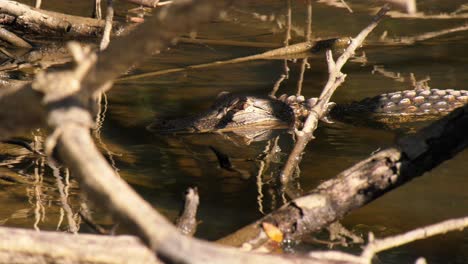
column 284, row 51
column 298, row 48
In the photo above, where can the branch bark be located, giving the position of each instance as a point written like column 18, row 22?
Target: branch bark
column 13, row 39
column 318, row 111
column 51, row 23
column 29, row 246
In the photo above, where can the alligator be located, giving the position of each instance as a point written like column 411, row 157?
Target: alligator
column 232, row 113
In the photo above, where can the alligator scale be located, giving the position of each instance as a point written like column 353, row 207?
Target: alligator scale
column 236, row 112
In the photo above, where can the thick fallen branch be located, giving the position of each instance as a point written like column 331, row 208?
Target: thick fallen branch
column 29, row 246
column 284, row 51
column 430, row 35
column 365, row 181
column 51, row 23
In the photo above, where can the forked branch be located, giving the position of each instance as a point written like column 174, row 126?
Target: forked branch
column 335, row 79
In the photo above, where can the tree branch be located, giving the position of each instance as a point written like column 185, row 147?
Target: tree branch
column 319, row 110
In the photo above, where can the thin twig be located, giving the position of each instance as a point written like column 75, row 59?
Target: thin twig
column 108, row 27
column 308, row 38
column 284, row 51
column 97, row 9
column 304, row 65
column 228, row 42
column 424, row 232
column 347, row 6
column 308, row 30
column 87, row 219
column 287, row 37
column 147, row 3
column 319, row 110
column 408, row 5
column 288, row 23
column 378, row 245
column 277, row 84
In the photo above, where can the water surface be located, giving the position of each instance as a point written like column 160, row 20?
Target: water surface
column 161, row 167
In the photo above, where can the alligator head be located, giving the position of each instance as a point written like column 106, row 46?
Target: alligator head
column 233, row 113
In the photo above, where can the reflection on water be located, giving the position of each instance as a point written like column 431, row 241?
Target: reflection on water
column 161, row 167
column 36, row 194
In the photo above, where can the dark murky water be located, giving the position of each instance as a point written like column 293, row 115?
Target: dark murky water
column 162, row 167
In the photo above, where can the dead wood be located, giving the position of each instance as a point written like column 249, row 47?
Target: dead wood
column 428, row 35
column 300, row 49
column 49, row 23
column 13, row 39
column 321, row 108
column 149, row 3
column 365, row 181
column 378, row 245
column 66, row 113
column 108, row 27
column 29, row 246
column 409, row 6
column 187, row 222
column 228, row 42
column 97, row 13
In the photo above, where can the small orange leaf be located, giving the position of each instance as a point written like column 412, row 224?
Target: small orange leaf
column 273, row 232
